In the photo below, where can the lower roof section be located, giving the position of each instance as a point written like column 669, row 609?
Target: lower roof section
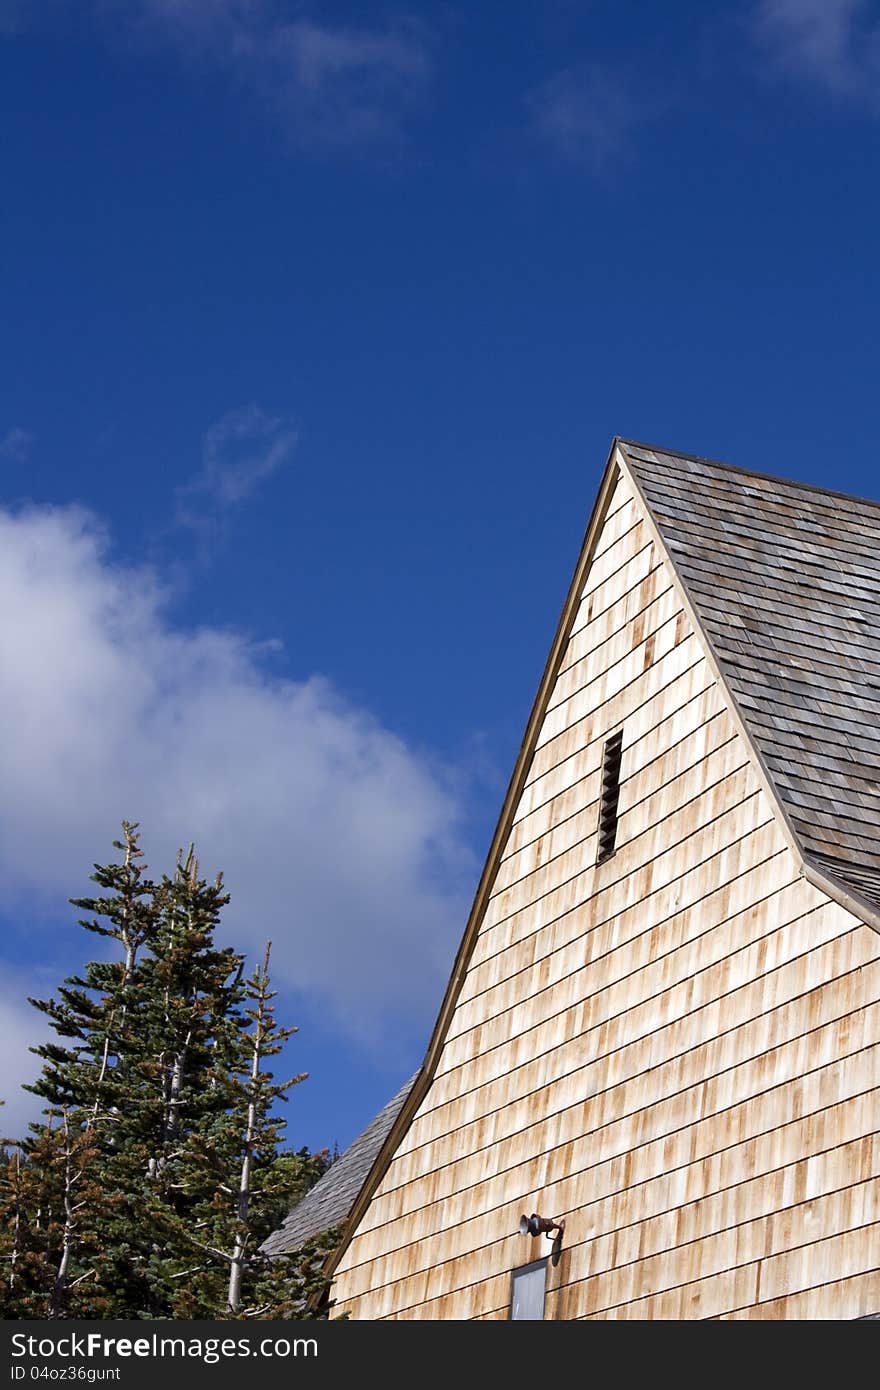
column 330, row 1201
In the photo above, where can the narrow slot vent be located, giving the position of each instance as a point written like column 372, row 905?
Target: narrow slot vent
column 609, row 797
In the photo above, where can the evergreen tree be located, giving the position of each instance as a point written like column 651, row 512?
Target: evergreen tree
column 174, row 1089
column 158, row 1173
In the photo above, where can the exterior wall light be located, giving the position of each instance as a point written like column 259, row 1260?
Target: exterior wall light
column 535, row 1225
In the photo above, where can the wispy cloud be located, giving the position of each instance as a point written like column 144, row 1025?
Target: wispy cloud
column 210, row 23
column 349, row 85
column 832, row 43
column 332, row 84
column 585, row 114
column 15, row 445
column 239, row 452
column 338, row 839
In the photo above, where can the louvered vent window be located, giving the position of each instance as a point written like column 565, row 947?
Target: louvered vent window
column 610, row 796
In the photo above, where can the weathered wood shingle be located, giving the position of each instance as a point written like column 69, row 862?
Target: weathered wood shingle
column 785, row 579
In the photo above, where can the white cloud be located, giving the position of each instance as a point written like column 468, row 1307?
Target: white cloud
column 834, row 43
column 585, row 114
column 239, row 452
column 15, row 444
column 332, row 84
column 338, row 840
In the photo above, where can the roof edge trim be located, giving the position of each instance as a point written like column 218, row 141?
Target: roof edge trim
column 438, row 1036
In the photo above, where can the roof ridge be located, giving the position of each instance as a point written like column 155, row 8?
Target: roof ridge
column 747, row 472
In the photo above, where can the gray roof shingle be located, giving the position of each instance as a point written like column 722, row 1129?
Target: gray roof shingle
column 329, row 1202
column 785, row 580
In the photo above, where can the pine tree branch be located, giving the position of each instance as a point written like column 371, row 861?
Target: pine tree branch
column 209, row 1249
column 196, row 1269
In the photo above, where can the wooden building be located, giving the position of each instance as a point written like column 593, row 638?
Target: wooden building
column 663, row 1022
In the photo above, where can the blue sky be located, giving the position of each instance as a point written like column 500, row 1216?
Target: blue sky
column 317, row 322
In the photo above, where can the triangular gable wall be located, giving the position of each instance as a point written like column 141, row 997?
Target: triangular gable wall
column 671, row 1048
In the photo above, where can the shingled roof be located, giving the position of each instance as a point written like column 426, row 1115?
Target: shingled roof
column 784, row 580
column 331, row 1199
